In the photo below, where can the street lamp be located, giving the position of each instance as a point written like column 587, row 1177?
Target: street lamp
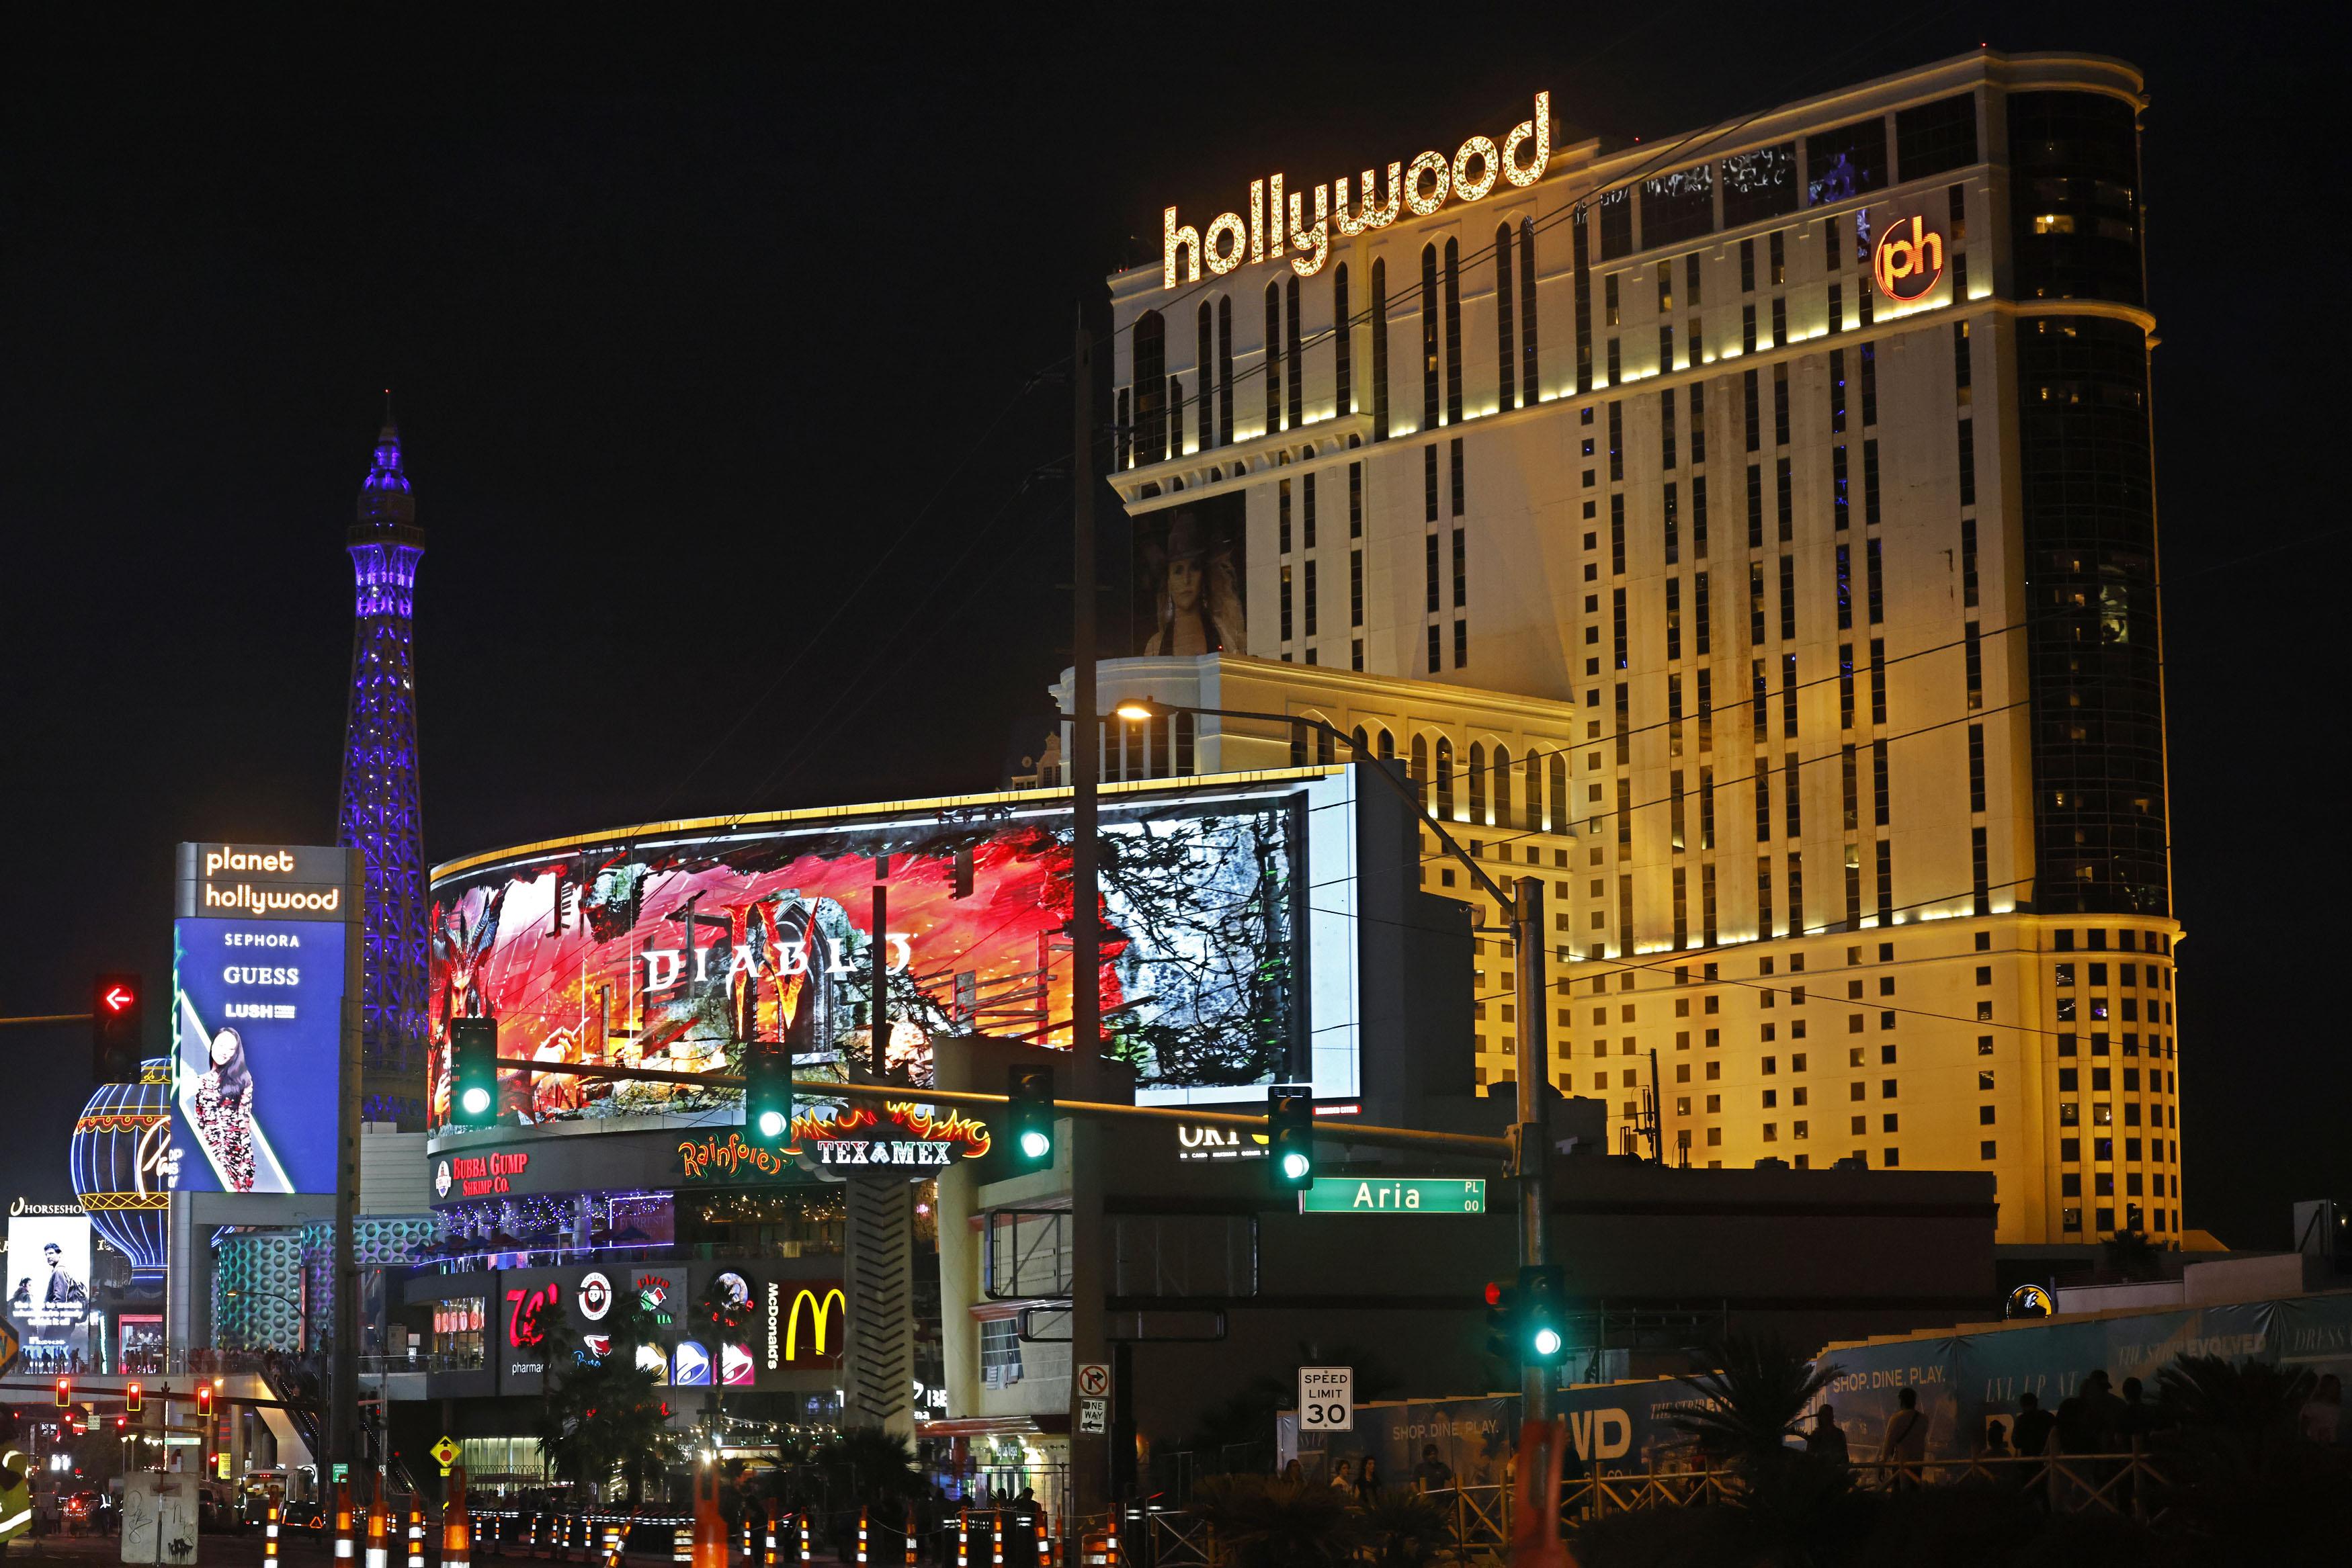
column 1531, row 1145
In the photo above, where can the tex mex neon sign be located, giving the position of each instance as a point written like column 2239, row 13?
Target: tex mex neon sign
column 902, row 1133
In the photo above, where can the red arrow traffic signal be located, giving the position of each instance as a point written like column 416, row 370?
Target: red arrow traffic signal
column 117, row 1018
column 118, row 996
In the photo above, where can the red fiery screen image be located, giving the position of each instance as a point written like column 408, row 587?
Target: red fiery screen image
column 674, row 955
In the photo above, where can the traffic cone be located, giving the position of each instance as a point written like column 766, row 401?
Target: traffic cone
column 269, row 1536
column 710, row 1524
column 457, row 1534
column 379, row 1529
column 343, row 1523
column 415, row 1536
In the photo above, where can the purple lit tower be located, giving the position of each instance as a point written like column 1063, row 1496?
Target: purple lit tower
column 380, row 814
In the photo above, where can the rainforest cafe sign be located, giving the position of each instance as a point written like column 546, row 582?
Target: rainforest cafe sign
column 1421, row 187
column 902, row 1133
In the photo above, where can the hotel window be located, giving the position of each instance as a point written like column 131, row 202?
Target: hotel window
column 1429, row 484
column 1754, row 507
column 1455, row 474
column 1869, row 373
column 1609, row 303
column 1960, row 367
column 1355, row 588
column 1461, row 570
column 1206, row 356
column 1505, row 361
column 1617, row 536
column 1691, row 280
column 1837, row 307
column 1747, row 266
column 1878, row 680
column 1697, row 417
column 1673, row 524
column 1666, row 431
column 1780, row 405
column 1380, row 349
column 1126, row 456
column 1972, row 664
column 1343, row 343
column 1785, row 499
column 1763, row 800
column 1779, row 240
column 1698, row 618
column 1310, row 599
column 1273, row 356
column 1755, row 603
column 1528, row 383
column 1355, row 500
column 1845, row 589
column 1429, row 561
column 1461, row 643
column 1968, row 463
column 1788, row 599
column 1845, row 685
column 1286, row 604
column 1976, row 771
column 1779, row 320
column 1452, row 331
column 1749, row 410
column 1617, row 605
column 1616, row 445
column 1150, row 388
column 1748, row 328
column 1225, row 370
column 1580, row 268
column 1429, row 337
column 1282, row 517
column 1306, row 482
column 1880, row 793
column 1876, row 582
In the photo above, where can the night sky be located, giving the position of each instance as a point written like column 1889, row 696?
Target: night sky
column 716, row 354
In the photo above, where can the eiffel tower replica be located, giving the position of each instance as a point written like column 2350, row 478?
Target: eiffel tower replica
column 381, row 814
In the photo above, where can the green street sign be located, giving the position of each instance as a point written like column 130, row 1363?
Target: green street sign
column 1395, row 1194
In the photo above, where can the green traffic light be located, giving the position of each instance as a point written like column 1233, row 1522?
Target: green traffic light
column 771, row 1124
column 1036, row 1144
column 477, row 1100
column 1297, row 1166
column 1548, row 1342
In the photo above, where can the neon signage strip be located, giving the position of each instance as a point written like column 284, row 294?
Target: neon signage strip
column 1421, row 187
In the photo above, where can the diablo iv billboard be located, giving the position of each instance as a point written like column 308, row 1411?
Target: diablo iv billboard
column 670, row 948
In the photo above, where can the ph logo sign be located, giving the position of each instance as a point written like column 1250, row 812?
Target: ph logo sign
column 1908, row 261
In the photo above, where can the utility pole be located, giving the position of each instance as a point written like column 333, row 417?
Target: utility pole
column 1534, row 1138
column 878, row 1015
column 1085, row 725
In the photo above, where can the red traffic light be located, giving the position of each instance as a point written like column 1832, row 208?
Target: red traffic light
column 204, row 1398
column 117, row 1022
column 117, row 996
column 133, row 1398
column 1493, row 1292
column 64, row 1393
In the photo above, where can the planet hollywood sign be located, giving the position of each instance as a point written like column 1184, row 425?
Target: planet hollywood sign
column 1421, row 187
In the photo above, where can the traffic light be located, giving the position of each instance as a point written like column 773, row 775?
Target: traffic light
column 64, row 1393
column 117, row 1014
column 1542, row 1314
column 1030, row 1117
column 768, row 1095
column 1502, row 1321
column 1290, row 1136
column 474, row 1072
column 204, row 1400
column 133, row 1401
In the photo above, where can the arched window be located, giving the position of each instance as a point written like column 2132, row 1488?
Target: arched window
column 1536, row 822
column 1380, row 349
column 1185, row 733
column 1507, row 358
column 1445, row 778
column 1297, row 743
column 1478, row 782
column 1323, row 747
column 1176, row 420
column 1343, row 345
column 1558, row 767
column 1527, row 311
column 1274, row 356
column 1295, row 353
column 1452, row 331
column 1429, row 337
column 1363, row 747
column 1418, row 770
column 1150, row 388
column 1206, row 350
column 1225, row 370
column 1502, row 787
column 1386, row 750
column 1126, row 430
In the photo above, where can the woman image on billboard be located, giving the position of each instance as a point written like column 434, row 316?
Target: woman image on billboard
column 1199, row 608
column 224, row 1111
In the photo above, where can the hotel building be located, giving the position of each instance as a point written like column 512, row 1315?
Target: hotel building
column 1752, row 534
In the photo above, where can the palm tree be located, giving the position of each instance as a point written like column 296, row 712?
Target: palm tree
column 2130, row 1255
column 1752, row 1404
column 1264, row 1524
column 603, row 1416
column 2244, row 1473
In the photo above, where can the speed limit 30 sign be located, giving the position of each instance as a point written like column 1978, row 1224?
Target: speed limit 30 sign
column 1327, row 1398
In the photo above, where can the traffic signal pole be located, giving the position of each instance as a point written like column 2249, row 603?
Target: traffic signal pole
column 1530, row 1142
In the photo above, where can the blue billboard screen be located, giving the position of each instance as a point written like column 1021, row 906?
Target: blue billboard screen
column 258, row 1028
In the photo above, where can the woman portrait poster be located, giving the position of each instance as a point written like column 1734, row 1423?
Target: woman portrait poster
column 1189, row 564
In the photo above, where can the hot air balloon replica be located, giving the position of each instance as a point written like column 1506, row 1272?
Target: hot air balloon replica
column 121, row 1157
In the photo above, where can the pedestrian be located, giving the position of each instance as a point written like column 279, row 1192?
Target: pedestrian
column 1826, row 1442
column 2137, row 1418
column 1996, row 1443
column 1368, row 1482
column 1343, row 1478
column 2030, row 1433
column 1907, row 1440
column 1294, row 1474
column 1432, row 1474
column 2321, row 1415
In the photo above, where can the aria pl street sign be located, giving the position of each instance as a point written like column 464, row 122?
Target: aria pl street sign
column 1395, row 1194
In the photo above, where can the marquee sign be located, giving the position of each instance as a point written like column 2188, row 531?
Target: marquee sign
column 902, row 1133
column 1421, row 187
column 1907, row 262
